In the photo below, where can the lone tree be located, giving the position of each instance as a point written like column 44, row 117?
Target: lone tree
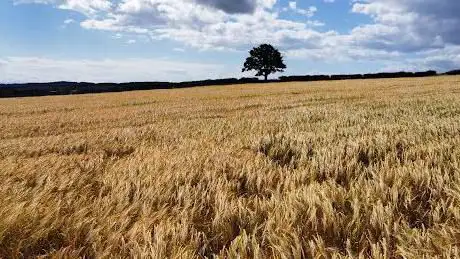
column 266, row 60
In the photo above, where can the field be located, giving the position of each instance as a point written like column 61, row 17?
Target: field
column 362, row 168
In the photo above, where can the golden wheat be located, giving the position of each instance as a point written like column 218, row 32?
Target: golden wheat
column 363, row 168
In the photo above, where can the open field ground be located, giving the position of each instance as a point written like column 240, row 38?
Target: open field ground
column 366, row 168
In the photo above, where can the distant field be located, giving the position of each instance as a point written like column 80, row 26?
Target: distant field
column 366, row 168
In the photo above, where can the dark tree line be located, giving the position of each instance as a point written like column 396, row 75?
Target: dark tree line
column 65, row 88
column 453, row 72
column 357, row 76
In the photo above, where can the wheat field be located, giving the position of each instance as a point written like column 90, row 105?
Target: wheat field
column 339, row 169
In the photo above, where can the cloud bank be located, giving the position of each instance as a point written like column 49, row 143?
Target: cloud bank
column 109, row 70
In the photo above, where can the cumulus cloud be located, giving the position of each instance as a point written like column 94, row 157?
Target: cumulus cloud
column 398, row 27
column 309, row 12
column 69, row 21
column 444, row 59
column 202, row 26
column 87, row 7
column 411, row 24
column 234, row 6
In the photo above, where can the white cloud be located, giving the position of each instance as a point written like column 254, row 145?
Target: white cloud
column 399, row 27
column 203, row 24
column 444, row 59
column 309, row 12
column 34, row 69
column 69, row 21
column 410, row 25
column 87, row 7
column 345, row 53
column 314, row 23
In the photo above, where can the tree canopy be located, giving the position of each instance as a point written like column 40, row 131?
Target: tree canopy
column 265, row 59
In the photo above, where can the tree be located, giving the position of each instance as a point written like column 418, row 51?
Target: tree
column 266, row 60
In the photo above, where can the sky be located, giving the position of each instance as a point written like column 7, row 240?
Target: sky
column 179, row 40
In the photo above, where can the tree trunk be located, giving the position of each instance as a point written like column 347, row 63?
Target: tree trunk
column 266, row 77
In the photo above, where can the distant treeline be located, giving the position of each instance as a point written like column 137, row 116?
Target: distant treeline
column 357, row 76
column 65, row 88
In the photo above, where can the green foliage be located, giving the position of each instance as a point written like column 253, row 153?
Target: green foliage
column 264, row 59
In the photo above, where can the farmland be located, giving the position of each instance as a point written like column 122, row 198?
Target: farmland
column 349, row 168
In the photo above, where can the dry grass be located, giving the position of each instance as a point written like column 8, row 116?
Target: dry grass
column 328, row 169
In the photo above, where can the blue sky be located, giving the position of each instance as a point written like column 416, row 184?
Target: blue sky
column 176, row 40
